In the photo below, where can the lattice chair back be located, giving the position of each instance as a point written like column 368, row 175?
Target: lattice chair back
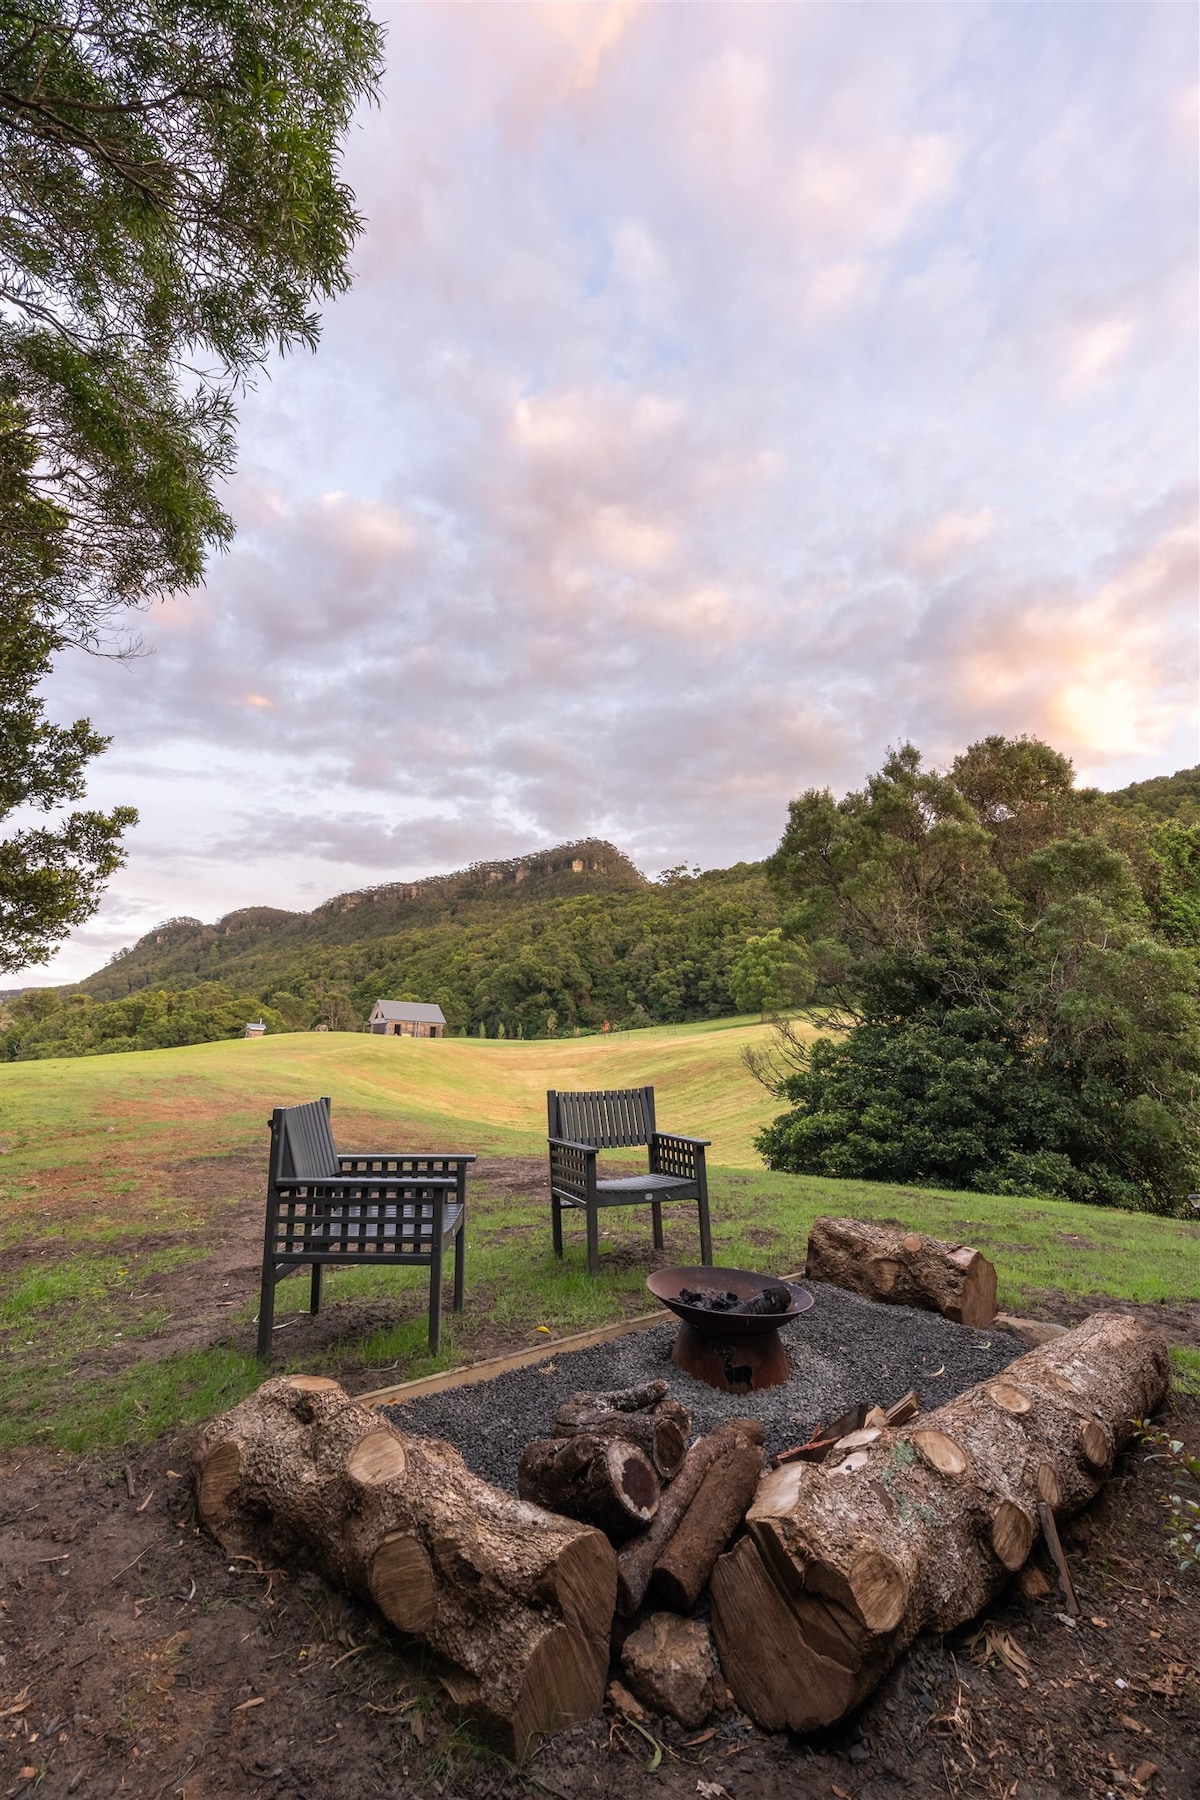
column 611, row 1119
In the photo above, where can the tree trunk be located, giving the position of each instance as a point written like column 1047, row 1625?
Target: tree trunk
column 683, row 1569
column 886, row 1263
column 518, row 1600
column 846, row 1562
column 636, row 1559
column 606, row 1481
column 647, row 1416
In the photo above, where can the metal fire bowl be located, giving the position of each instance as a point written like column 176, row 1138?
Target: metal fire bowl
column 736, row 1328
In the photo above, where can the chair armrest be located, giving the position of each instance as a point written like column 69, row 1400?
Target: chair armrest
column 572, row 1144
column 674, row 1155
column 460, row 1158
column 353, row 1187
column 573, row 1168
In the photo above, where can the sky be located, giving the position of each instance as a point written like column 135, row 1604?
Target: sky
column 725, row 394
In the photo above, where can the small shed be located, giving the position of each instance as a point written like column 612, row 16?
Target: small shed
column 406, row 1018
column 255, row 1028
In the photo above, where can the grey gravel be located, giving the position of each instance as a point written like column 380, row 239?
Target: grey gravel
column 842, row 1351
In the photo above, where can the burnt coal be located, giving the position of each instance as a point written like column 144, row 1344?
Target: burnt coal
column 774, row 1299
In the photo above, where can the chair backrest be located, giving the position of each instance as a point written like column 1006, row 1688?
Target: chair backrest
column 611, row 1119
column 302, row 1142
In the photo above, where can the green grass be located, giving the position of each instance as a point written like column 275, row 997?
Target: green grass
column 118, row 1168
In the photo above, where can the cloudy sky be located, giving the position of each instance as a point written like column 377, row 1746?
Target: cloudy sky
column 725, row 394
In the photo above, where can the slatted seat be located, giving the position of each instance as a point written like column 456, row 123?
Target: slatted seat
column 370, row 1207
column 583, row 1124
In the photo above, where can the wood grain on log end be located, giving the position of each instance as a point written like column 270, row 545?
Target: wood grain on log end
column 313, row 1384
column 1045, row 1480
column 376, row 1458
column 872, row 1590
column 402, row 1584
column 1008, row 1397
column 1095, row 1446
column 1013, row 1532
column 562, row 1685
column 941, row 1452
column 219, row 1478
column 585, row 1580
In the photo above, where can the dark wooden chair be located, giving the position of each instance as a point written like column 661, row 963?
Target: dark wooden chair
column 372, row 1208
column 581, row 1125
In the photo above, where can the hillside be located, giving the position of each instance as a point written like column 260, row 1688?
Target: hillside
column 1165, row 797
column 182, row 952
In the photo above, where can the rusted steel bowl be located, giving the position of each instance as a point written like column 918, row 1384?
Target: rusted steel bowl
column 734, row 1327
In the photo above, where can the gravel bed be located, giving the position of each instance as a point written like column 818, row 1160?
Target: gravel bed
column 843, row 1350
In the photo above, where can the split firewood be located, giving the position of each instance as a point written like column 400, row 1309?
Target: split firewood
column 649, row 1417
column 605, row 1481
column 843, row 1564
column 1058, row 1555
column 518, row 1600
column 886, row 1263
column 683, row 1569
column 636, row 1559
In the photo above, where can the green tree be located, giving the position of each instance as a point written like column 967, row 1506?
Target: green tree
column 1014, row 1019
column 172, row 211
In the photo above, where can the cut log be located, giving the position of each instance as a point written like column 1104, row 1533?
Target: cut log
column 921, row 1528
column 517, row 1600
column 886, row 1263
column 683, row 1569
column 635, row 1563
column 605, row 1481
column 647, row 1416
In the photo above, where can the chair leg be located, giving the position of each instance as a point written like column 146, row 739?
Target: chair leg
column 266, row 1310
column 593, row 1240
column 656, row 1215
column 556, row 1223
column 460, row 1260
column 435, row 1296
column 706, row 1254
column 314, row 1294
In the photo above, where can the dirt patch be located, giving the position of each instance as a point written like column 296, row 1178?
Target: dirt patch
column 136, row 1659
column 1177, row 1320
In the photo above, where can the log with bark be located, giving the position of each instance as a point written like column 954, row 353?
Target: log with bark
column 648, row 1416
column 637, row 1558
column 682, row 1570
column 604, row 1481
column 885, row 1262
column 518, row 1601
column 844, row 1563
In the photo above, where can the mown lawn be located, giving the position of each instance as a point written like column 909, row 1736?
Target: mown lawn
column 119, row 1175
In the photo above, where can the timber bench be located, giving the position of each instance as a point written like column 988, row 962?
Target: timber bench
column 583, row 1124
column 372, row 1208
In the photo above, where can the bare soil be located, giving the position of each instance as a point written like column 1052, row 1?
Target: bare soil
column 137, row 1660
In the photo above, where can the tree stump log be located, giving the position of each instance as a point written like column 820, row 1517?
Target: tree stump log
column 844, row 1563
column 605, row 1481
column 884, row 1262
column 517, row 1600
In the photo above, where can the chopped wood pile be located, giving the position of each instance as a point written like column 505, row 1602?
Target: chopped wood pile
column 821, row 1570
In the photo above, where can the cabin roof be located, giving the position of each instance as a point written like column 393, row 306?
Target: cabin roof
column 408, row 1012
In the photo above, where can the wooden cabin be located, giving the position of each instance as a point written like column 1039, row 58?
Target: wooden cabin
column 406, row 1018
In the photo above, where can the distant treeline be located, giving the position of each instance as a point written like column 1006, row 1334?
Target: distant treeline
column 686, row 949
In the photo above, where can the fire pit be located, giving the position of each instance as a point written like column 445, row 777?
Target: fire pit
column 719, row 1341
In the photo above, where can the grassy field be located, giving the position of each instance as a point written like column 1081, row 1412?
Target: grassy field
column 125, row 1180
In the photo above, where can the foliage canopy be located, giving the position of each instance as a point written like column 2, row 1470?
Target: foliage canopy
column 1016, row 961
column 171, row 211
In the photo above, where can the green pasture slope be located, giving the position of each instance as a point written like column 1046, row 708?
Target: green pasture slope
column 116, row 1171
